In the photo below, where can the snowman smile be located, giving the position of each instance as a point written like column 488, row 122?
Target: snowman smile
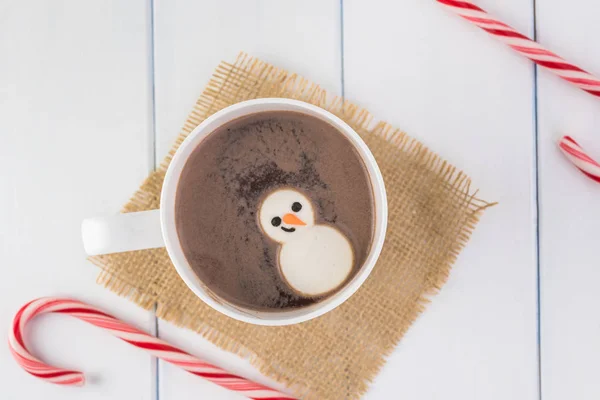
column 288, row 229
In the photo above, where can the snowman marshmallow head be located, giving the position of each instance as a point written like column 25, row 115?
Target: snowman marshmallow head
column 284, row 213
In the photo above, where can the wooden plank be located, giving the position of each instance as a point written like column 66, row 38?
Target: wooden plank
column 569, row 213
column 468, row 98
column 191, row 39
column 74, row 143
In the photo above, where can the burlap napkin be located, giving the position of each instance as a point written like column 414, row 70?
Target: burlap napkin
column 432, row 211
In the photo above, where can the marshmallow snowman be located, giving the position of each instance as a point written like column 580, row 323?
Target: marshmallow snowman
column 314, row 259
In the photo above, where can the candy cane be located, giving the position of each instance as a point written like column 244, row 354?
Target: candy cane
column 577, row 156
column 129, row 334
column 524, row 45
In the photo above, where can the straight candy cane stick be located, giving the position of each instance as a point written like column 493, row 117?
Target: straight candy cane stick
column 525, row 46
column 129, row 334
column 579, row 158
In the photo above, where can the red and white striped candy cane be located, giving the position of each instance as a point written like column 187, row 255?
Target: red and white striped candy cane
column 129, row 334
column 577, row 156
column 524, row 45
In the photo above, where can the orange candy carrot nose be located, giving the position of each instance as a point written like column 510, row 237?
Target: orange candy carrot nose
column 291, row 219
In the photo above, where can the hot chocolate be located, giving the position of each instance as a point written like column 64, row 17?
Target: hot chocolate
column 275, row 210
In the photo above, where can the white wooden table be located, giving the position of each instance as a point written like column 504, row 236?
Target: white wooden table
column 92, row 93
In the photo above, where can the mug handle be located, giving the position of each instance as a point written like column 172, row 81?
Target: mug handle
column 122, row 232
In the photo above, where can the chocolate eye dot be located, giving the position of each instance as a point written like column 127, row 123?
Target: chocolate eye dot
column 296, row 207
column 276, row 221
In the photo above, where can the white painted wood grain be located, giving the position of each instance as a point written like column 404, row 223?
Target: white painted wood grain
column 191, row 39
column 74, row 142
column 470, row 99
column 569, row 214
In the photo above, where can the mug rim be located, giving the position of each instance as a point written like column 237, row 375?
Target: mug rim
column 171, row 239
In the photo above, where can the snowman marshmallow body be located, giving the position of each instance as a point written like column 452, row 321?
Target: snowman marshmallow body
column 314, row 259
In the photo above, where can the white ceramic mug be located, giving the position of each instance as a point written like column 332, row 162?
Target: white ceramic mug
column 156, row 228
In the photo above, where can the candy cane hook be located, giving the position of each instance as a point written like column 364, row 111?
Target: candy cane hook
column 127, row 333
